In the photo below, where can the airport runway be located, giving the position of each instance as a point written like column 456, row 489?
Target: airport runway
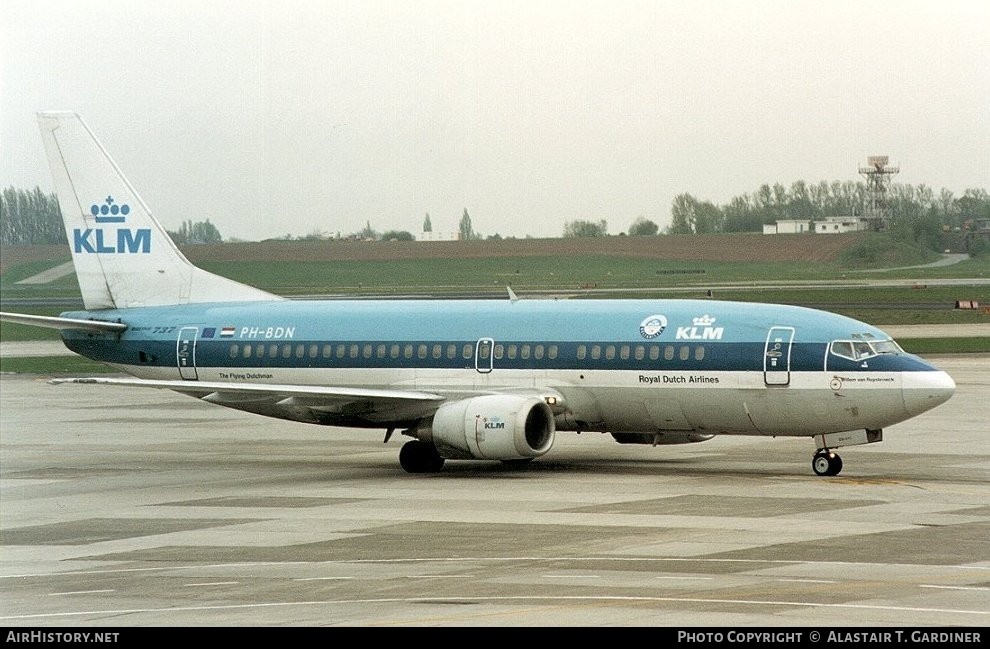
column 129, row 507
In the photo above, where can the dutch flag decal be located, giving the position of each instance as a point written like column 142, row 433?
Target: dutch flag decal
column 227, row 332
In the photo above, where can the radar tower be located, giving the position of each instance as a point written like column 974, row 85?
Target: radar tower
column 878, row 175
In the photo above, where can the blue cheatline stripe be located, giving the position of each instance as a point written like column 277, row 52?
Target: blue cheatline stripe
column 378, row 354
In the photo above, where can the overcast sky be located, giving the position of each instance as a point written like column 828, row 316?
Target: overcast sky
column 292, row 116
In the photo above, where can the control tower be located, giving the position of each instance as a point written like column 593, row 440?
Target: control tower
column 878, row 175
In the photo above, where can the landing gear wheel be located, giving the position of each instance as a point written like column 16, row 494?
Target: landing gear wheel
column 826, row 462
column 420, row 457
column 518, row 463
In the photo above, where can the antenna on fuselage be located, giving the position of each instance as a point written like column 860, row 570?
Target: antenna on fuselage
column 512, row 296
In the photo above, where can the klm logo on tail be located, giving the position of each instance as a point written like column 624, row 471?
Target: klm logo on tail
column 104, row 241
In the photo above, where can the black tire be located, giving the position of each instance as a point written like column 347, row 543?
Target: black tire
column 420, row 457
column 826, row 463
column 836, row 465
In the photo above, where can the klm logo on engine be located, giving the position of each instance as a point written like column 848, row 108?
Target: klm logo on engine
column 702, row 330
column 109, row 240
column 494, row 423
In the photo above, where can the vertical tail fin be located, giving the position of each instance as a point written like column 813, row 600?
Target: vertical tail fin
column 122, row 255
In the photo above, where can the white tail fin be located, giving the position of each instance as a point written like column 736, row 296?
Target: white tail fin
column 122, row 255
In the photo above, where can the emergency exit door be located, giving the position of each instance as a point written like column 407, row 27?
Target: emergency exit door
column 185, row 353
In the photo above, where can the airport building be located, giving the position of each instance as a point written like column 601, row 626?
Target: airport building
column 828, row 225
column 837, row 224
column 788, row 226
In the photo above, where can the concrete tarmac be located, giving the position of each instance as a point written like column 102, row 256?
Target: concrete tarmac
column 131, row 507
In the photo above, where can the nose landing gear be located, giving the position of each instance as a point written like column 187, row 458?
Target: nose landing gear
column 826, row 462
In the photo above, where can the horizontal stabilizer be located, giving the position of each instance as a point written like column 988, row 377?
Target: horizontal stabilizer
column 51, row 322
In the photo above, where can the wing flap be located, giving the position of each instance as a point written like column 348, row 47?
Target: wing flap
column 315, row 404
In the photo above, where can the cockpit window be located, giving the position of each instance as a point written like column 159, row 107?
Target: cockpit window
column 843, row 348
column 862, row 350
column 856, row 350
column 887, row 347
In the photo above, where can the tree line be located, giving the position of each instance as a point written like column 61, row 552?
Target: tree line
column 30, row 217
column 915, row 206
column 917, row 211
column 33, row 218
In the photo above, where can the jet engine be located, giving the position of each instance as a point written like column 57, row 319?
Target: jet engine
column 490, row 427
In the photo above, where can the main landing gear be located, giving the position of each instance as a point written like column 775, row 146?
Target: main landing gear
column 826, row 462
column 419, row 457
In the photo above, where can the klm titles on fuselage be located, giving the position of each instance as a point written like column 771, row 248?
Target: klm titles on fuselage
column 109, row 240
column 702, row 329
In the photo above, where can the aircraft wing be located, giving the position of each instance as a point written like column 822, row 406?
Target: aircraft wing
column 314, row 404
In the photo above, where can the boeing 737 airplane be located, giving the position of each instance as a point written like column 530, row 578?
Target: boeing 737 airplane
column 464, row 379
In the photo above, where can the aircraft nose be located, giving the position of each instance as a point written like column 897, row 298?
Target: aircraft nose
column 924, row 390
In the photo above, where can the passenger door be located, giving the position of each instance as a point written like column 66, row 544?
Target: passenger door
column 777, row 356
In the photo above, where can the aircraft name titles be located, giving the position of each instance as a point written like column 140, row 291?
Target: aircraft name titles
column 245, row 376
column 664, row 378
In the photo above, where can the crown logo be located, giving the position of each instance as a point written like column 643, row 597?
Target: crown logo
column 704, row 321
column 109, row 212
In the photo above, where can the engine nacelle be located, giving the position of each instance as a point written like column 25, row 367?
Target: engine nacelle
column 491, row 427
column 656, row 439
